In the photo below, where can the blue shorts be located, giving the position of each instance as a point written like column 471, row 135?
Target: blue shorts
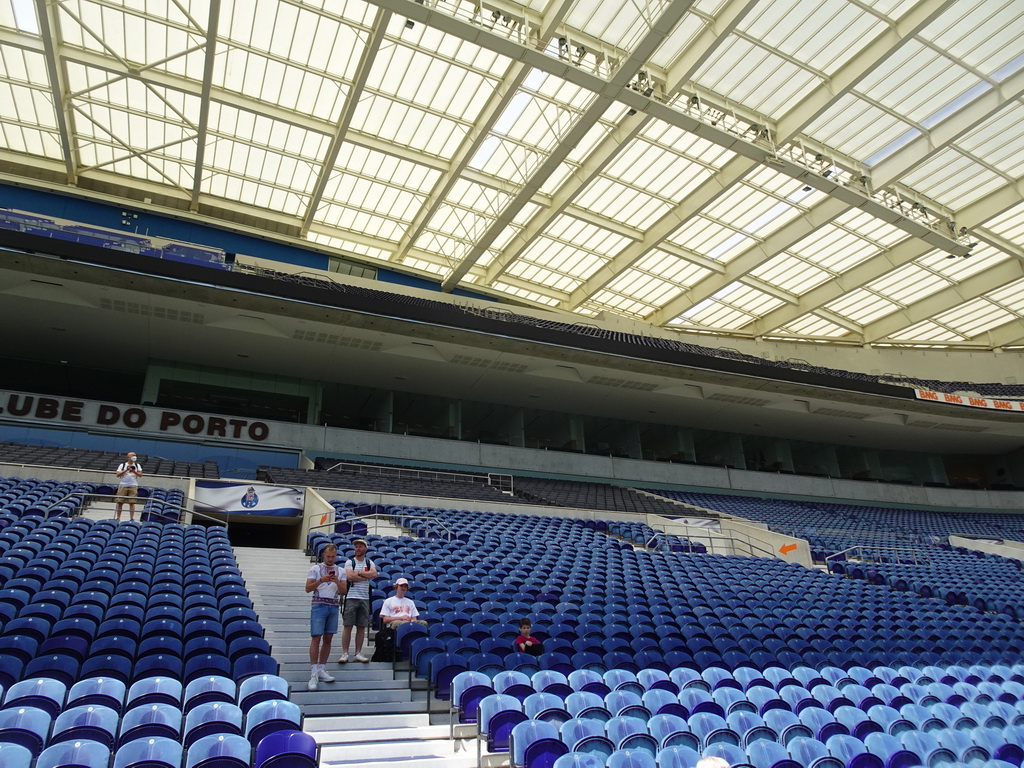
column 323, row 619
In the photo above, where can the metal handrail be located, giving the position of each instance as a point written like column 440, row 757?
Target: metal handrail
column 451, row 535
column 925, row 560
column 127, row 500
column 713, row 538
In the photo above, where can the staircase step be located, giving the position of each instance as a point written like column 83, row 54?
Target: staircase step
column 366, row 722
column 462, row 760
column 353, row 736
column 347, row 699
column 383, row 752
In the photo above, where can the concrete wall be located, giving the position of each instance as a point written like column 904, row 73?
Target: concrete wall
column 1005, row 547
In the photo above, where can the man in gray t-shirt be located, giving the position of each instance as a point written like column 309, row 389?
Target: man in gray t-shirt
column 359, row 571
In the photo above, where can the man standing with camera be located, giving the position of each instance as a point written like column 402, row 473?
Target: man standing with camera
column 129, row 473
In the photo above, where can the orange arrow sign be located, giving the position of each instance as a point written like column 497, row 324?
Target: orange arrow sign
column 787, row 548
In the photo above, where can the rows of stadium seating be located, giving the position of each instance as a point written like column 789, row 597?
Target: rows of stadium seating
column 591, row 495
column 600, row 606
column 50, row 498
column 831, row 527
column 360, row 481
column 44, row 226
column 135, row 643
column 100, row 461
column 811, row 718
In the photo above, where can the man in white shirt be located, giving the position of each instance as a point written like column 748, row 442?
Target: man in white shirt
column 327, row 583
column 399, row 609
column 128, row 472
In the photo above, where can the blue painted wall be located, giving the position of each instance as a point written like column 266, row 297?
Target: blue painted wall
column 110, row 216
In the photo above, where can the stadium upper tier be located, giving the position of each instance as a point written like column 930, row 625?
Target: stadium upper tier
column 100, row 461
column 833, row 526
column 496, row 319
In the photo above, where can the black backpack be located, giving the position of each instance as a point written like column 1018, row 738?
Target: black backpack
column 384, row 644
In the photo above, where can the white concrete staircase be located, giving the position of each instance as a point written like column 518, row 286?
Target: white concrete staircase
column 371, row 716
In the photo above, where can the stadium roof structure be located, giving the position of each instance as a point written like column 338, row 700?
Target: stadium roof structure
column 841, row 171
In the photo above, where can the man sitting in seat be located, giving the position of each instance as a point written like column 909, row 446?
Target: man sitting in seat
column 399, row 609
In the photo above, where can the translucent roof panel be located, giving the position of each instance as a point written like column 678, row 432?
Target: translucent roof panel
column 754, row 164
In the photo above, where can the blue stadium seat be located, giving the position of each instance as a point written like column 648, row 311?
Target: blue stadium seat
column 76, row 754
column 287, row 749
column 41, row 693
column 25, row 726
column 153, row 752
column 106, row 692
column 91, row 722
column 269, row 716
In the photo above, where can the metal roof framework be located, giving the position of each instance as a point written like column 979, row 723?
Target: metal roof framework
column 844, row 171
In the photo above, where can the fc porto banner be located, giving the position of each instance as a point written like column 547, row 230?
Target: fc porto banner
column 244, row 499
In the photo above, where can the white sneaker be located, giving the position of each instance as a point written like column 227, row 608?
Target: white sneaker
column 312, row 683
column 360, row 657
column 323, row 676
column 343, row 659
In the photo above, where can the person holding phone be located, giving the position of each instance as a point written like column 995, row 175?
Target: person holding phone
column 360, row 571
column 128, row 473
column 327, row 583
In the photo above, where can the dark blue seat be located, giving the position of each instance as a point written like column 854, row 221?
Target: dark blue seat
column 108, row 666
column 287, row 749
column 251, row 664
column 207, row 665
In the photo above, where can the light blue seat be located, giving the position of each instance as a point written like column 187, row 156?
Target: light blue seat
column 889, row 749
column 750, row 727
column 769, row 754
column 525, row 733
column 80, row 754
column 25, row 726
column 578, row 760
column 631, row 758
column 154, row 752
column 203, row 690
column 853, row 752
column 811, row 753
column 89, row 722
column 733, row 755
column 212, row 718
column 677, row 757
column 15, row 756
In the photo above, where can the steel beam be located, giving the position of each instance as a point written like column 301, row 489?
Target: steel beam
column 604, row 97
column 49, row 24
column 212, row 26
column 340, row 132
column 881, row 48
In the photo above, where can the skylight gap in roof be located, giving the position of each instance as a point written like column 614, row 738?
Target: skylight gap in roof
column 25, row 18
